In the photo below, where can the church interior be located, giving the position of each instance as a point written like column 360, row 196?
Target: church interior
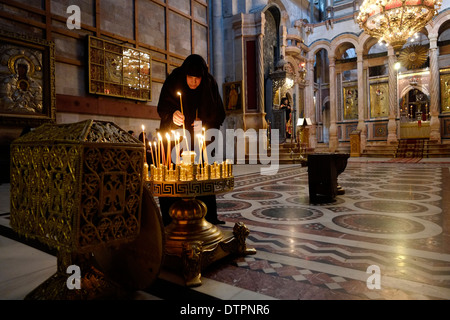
column 345, row 197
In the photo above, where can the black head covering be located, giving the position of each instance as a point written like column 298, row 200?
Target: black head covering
column 195, row 66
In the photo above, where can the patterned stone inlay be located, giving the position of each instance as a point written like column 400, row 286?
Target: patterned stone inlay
column 390, row 206
column 256, row 195
column 231, row 205
column 288, row 213
column 375, row 223
column 400, row 195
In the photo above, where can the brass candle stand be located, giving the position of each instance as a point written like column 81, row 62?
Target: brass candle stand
column 191, row 242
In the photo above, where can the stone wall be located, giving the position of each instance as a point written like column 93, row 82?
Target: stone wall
column 168, row 31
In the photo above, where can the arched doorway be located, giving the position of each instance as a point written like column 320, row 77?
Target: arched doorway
column 414, row 114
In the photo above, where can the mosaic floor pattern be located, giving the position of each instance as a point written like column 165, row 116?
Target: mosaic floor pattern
column 391, row 228
column 392, row 216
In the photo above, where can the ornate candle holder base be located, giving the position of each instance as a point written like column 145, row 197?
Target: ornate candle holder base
column 192, row 243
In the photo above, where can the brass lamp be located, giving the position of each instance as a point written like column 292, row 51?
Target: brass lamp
column 394, row 21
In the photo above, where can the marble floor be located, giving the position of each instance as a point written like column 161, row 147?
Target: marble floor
column 386, row 238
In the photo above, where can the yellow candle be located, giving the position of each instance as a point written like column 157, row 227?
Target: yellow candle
column 143, row 140
column 156, row 154
column 199, row 138
column 184, row 129
column 205, row 155
column 151, row 152
column 168, row 150
column 181, row 101
column 175, row 142
column 159, row 148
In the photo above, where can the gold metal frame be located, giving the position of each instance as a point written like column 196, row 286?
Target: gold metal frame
column 350, row 102
column 379, row 103
column 445, row 92
column 118, row 70
column 30, row 99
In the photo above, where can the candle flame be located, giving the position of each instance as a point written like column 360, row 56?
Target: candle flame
column 168, row 136
column 143, row 127
column 179, row 93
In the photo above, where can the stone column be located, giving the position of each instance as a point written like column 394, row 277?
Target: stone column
column 435, row 126
column 283, row 41
column 361, row 98
column 333, row 143
column 218, row 41
column 260, row 74
column 392, row 125
column 310, row 110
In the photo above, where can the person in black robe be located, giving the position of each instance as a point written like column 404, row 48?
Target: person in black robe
column 287, row 108
column 201, row 101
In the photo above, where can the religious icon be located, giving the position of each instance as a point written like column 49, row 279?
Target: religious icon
column 22, row 89
column 232, row 93
column 27, row 81
column 379, row 102
column 350, row 103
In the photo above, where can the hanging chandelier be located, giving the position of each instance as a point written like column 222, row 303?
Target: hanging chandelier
column 394, row 21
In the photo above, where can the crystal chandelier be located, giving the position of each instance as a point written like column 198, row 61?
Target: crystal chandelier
column 394, row 21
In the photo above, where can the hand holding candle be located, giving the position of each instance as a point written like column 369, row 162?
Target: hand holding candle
column 184, row 129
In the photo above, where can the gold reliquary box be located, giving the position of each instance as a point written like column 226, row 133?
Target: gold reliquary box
column 77, row 186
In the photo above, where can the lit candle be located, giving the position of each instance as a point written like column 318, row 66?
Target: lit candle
column 178, row 148
column 175, row 143
column 143, row 140
column 156, row 154
column 168, row 150
column 151, row 152
column 181, row 101
column 184, row 129
column 205, row 155
column 161, row 147
column 199, row 138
